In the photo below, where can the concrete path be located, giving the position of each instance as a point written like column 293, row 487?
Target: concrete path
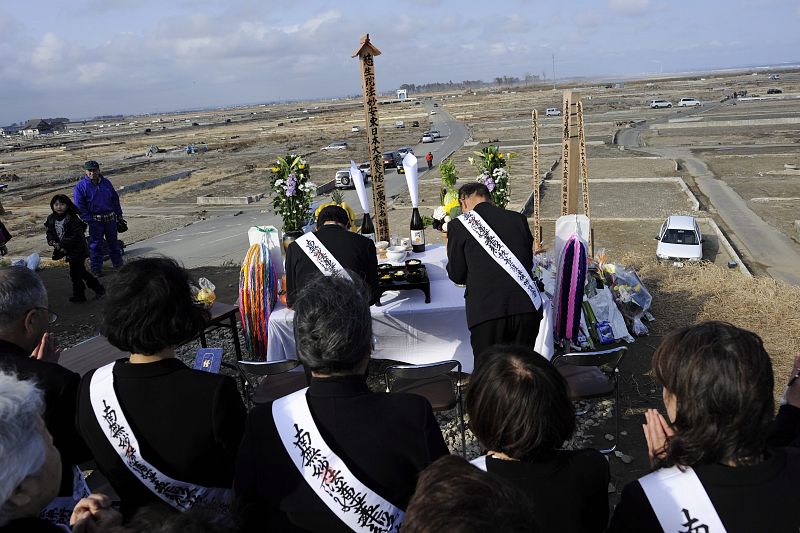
column 774, row 252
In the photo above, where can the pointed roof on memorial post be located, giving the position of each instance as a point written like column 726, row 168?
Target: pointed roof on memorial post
column 366, row 47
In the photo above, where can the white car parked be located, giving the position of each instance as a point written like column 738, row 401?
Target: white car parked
column 689, row 102
column 658, row 104
column 552, row 112
column 427, row 137
column 680, row 240
column 339, row 145
column 343, row 181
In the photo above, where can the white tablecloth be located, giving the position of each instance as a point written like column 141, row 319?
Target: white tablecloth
column 406, row 328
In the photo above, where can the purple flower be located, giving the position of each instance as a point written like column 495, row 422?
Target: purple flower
column 489, row 182
column 291, row 185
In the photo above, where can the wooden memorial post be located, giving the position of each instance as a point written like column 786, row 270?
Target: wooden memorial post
column 574, row 162
column 570, row 150
column 537, row 227
column 584, row 173
column 366, row 53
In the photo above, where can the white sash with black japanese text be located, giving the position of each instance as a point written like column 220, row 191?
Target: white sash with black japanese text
column 60, row 509
column 354, row 503
column 178, row 494
column 320, row 256
column 504, row 257
column 680, row 502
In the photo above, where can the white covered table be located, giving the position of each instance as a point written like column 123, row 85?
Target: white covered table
column 406, row 328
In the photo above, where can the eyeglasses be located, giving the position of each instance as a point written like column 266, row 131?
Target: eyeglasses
column 52, row 317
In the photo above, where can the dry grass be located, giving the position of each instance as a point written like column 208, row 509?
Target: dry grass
column 694, row 293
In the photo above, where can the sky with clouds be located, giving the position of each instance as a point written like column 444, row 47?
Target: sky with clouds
column 91, row 57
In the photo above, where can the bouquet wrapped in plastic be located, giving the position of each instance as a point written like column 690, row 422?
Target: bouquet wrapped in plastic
column 631, row 296
column 203, row 293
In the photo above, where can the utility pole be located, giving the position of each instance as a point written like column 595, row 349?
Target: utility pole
column 554, row 71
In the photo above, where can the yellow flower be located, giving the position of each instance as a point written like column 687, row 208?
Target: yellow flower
column 500, row 156
column 451, row 205
column 491, row 156
column 301, row 166
column 275, row 169
column 350, row 213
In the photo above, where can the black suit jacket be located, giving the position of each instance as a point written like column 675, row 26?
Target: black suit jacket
column 581, row 474
column 188, row 424
column 385, row 440
column 353, row 251
column 491, row 293
column 761, row 497
column 60, row 388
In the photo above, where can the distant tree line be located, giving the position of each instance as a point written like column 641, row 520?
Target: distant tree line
column 470, row 84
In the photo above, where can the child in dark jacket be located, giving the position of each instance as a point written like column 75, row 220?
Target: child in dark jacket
column 66, row 234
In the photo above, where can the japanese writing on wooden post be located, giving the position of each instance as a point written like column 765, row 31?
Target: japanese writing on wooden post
column 366, row 53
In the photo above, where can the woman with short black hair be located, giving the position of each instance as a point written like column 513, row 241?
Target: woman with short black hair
column 520, row 411
column 187, row 424
column 717, row 388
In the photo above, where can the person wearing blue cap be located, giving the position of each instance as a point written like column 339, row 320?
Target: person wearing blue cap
column 98, row 204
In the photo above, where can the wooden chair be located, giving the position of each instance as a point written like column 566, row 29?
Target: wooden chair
column 265, row 381
column 434, row 382
column 593, row 375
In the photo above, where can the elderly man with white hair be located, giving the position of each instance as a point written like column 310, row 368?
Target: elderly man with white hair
column 31, row 467
column 27, row 351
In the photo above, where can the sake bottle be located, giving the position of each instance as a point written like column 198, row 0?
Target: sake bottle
column 367, row 228
column 417, row 232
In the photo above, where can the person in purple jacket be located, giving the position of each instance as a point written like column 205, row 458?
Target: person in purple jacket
column 98, row 204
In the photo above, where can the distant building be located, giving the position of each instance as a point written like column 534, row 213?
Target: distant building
column 36, row 126
column 402, row 94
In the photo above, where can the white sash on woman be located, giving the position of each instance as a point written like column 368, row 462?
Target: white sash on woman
column 60, row 509
column 498, row 251
column 320, row 256
column 480, row 463
column 349, row 499
column 680, row 502
column 178, row 494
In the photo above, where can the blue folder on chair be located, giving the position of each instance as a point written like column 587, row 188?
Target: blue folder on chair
column 208, row 360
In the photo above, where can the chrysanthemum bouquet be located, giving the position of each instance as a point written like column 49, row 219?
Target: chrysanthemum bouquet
column 492, row 164
column 292, row 191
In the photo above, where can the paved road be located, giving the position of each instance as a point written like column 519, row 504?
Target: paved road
column 223, row 238
column 776, row 253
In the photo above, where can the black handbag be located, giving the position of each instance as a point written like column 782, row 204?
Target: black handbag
column 122, row 226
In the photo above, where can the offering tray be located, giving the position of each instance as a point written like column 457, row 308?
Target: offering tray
column 401, row 278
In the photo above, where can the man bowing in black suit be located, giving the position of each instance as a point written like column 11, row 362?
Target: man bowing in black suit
column 331, row 250
column 490, row 250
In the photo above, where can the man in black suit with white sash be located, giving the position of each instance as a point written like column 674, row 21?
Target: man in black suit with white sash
column 490, row 250
column 335, row 456
column 349, row 250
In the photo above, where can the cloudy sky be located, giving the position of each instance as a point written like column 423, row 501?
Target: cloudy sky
column 91, row 57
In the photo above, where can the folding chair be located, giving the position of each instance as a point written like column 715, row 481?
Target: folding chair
column 434, row 382
column 593, row 375
column 265, row 381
